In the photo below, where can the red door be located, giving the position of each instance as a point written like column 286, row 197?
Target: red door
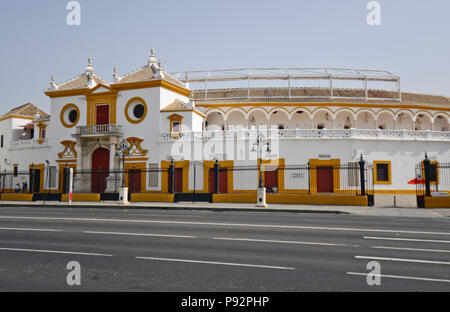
column 271, row 179
column 100, row 168
column 134, row 180
column 325, row 180
column 178, row 184
column 102, row 114
column 223, row 181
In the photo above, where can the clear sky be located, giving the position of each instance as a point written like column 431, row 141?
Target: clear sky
column 412, row 42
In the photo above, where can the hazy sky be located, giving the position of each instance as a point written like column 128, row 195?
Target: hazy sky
column 412, row 42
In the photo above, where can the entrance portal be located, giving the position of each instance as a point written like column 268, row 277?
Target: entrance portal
column 100, row 170
column 325, row 180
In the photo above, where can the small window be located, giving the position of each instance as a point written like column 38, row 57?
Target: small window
column 1, row 143
column 43, row 134
column 176, row 126
column 138, row 111
column 382, row 172
column 320, row 127
column 16, row 170
column 73, row 115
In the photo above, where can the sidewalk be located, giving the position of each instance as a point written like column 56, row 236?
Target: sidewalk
column 365, row 211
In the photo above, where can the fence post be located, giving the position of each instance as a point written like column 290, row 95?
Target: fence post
column 32, row 174
column 216, row 177
column 362, row 175
column 309, row 178
column 426, row 166
column 171, row 177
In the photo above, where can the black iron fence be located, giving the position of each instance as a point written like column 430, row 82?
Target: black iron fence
column 353, row 178
column 432, row 179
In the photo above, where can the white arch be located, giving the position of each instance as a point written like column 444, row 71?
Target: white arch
column 214, row 110
column 365, row 110
column 322, row 109
column 385, row 111
column 257, row 109
column 279, row 110
column 430, row 116
column 441, row 114
column 232, row 110
column 336, row 114
column 413, row 118
column 300, row 109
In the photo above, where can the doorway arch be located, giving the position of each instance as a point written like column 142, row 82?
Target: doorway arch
column 100, row 170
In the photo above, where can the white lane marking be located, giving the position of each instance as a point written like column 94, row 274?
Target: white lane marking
column 227, row 224
column 140, row 234
column 408, row 239
column 411, row 249
column 28, row 229
column 403, row 260
column 219, row 263
column 281, row 242
column 57, row 252
column 403, row 277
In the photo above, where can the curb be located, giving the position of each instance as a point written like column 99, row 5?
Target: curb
column 118, row 206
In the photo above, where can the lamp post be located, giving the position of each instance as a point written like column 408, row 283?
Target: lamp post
column 123, row 192
column 258, row 145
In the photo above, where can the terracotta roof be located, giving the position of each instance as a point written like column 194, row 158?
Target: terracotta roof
column 175, row 105
column 280, row 95
column 79, row 82
column 146, row 73
column 26, row 110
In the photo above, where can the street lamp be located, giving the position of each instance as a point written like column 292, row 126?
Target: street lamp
column 258, row 145
column 123, row 192
column 123, row 147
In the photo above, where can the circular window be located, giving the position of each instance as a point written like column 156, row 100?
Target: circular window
column 70, row 114
column 73, row 116
column 138, row 111
column 135, row 110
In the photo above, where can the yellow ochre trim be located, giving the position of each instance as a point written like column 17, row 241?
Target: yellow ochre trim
column 63, row 110
column 152, row 197
column 437, row 202
column 137, row 165
column 314, row 163
column 165, row 174
column 82, row 197
column 382, row 162
column 127, row 106
column 351, row 200
column 17, row 196
column 40, row 167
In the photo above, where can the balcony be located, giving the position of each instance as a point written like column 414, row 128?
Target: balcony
column 30, row 143
column 98, row 131
column 360, row 134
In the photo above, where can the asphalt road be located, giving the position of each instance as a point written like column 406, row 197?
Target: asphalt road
column 152, row 250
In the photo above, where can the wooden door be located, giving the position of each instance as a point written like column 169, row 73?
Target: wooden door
column 271, row 179
column 100, row 168
column 36, row 181
column 134, row 180
column 102, row 114
column 178, row 185
column 223, row 180
column 325, row 180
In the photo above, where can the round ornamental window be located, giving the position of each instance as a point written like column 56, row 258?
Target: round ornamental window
column 138, row 111
column 135, row 110
column 70, row 115
column 73, row 116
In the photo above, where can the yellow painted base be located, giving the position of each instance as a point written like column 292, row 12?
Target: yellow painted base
column 344, row 200
column 437, row 202
column 395, row 192
column 17, row 196
column 81, row 197
column 149, row 197
column 234, row 198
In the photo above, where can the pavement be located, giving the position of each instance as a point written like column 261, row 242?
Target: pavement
column 384, row 206
column 178, row 250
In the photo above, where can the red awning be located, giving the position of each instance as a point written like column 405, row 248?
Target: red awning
column 417, row 181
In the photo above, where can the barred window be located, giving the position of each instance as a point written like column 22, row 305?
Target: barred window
column 383, row 172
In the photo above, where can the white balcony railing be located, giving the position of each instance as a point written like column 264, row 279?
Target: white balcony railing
column 365, row 134
column 99, row 130
column 30, row 143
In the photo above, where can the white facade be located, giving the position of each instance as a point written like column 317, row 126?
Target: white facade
column 170, row 125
